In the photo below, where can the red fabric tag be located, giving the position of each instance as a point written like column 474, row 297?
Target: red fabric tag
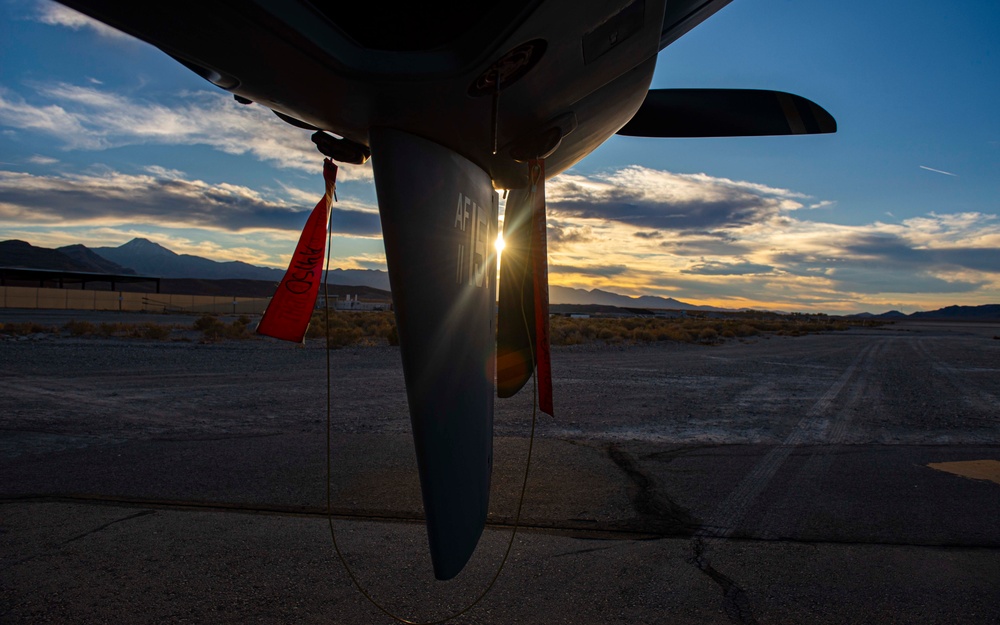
column 288, row 314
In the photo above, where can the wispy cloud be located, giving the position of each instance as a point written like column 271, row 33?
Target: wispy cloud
column 727, row 269
column 662, row 200
column 89, row 118
column 591, row 270
column 653, row 234
column 55, row 14
column 938, row 171
column 165, row 198
column 38, row 159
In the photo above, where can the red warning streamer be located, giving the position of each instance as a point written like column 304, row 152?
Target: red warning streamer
column 287, row 316
column 540, row 269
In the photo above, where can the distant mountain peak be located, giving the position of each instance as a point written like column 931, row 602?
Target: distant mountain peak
column 145, row 246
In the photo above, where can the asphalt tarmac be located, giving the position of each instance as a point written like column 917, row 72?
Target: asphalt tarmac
column 849, row 477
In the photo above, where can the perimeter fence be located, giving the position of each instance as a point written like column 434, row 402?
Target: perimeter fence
column 78, row 299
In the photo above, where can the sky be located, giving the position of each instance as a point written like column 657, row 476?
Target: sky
column 104, row 138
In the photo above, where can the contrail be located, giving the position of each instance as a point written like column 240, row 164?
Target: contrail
column 946, row 173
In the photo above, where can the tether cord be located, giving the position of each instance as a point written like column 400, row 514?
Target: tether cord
column 329, row 471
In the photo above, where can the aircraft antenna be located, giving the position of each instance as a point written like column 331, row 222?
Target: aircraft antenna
column 495, row 122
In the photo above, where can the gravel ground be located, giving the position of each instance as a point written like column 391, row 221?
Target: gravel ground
column 905, row 383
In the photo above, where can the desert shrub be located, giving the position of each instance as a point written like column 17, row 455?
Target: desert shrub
column 238, row 329
column 315, row 329
column 708, row 335
column 643, row 336
column 154, row 331
column 768, row 325
column 206, row 322
column 681, row 335
column 106, row 329
column 354, row 328
column 214, row 329
column 392, row 336
column 79, row 328
column 343, row 337
column 564, row 331
column 608, row 334
column 813, row 326
column 23, row 328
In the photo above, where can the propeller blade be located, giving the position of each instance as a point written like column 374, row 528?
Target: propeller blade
column 439, row 216
column 680, row 113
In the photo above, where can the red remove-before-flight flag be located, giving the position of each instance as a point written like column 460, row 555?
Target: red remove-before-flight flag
column 287, row 316
column 540, row 267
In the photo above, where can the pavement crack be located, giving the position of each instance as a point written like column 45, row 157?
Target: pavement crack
column 576, row 552
column 84, row 535
column 652, row 507
column 735, row 601
column 107, row 525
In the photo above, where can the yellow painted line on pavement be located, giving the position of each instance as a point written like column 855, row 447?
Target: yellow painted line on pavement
column 973, row 469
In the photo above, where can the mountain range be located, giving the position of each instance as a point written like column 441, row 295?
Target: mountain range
column 597, row 297
column 146, row 258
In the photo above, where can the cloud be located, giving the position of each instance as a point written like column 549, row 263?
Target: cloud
column 595, row 270
column 848, row 275
column 561, row 234
column 90, row 118
column 55, row 14
column 715, row 253
column 727, row 269
column 663, row 200
column 38, row 159
column 874, row 259
column 707, row 244
column 895, row 250
column 162, row 197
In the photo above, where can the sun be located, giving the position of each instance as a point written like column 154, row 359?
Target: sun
column 499, row 242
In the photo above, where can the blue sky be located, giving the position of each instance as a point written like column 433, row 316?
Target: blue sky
column 103, row 138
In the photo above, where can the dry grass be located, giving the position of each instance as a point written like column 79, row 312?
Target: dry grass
column 214, row 329
column 354, row 328
column 690, row 329
column 379, row 328
column 25, row 328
